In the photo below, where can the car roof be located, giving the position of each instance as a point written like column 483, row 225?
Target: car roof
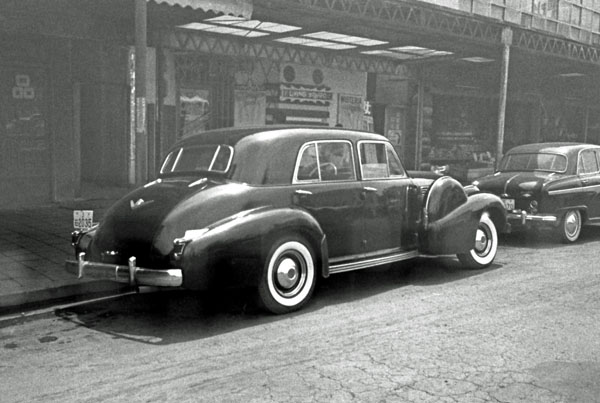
column 232, row 136
column 555, row 147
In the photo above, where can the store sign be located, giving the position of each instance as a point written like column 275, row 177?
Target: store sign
column 305, row 94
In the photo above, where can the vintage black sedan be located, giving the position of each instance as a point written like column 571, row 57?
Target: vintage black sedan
column 276, row 208
column 549, row 185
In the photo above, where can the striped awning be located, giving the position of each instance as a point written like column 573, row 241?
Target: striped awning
column 240, row 8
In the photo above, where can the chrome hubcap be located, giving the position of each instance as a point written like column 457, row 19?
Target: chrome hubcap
column 572, row 224
column 481, row 241
column 287, row 273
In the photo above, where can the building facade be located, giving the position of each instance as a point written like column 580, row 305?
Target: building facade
column 449, row 82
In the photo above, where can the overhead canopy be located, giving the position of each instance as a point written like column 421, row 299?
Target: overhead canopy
column 241, row 8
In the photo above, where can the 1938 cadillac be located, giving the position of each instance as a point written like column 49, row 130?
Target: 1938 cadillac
column 277, row 208
column 549, row 185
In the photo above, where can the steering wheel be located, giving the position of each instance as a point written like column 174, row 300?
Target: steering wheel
column 326, row 165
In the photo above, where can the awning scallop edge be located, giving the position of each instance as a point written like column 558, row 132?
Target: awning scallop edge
column 240, row 8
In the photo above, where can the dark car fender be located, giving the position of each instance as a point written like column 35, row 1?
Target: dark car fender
column 231, row 251
column 452, row 217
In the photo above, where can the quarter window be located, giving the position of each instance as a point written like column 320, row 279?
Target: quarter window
column 378, row 160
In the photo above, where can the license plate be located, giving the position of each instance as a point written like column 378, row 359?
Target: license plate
column 509, row 204
column 83, row 219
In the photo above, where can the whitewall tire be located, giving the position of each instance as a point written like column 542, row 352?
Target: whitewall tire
column 570, row 226
column 486, row 245
column 288, row 277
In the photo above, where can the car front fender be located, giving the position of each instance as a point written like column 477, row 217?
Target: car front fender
column 231, row 251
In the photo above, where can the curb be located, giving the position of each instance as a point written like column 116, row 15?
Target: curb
column 29, row 300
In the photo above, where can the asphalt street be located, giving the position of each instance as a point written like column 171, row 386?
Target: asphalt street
column 524, row 330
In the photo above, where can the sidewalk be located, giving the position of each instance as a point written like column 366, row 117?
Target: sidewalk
column 34, row 244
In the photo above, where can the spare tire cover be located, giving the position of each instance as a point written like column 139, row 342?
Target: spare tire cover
column 445, row 194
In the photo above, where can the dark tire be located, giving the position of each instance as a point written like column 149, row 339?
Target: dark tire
column 289, row 276
column 570, row 226
column 486, row 245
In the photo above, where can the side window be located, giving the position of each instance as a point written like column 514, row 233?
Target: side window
column 335, row 161
column 373, row 161
column 395, row 166
column 326, row 161
column 588, row 162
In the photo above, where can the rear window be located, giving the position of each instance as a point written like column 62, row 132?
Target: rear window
column 211, row 158
column 534, row 162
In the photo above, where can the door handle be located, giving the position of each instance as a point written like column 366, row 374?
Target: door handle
column 302, row 192
column 368, row 189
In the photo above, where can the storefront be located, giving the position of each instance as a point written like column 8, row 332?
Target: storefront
column 70, row 109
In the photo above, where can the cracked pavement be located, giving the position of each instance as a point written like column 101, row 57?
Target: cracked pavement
column 525, row 330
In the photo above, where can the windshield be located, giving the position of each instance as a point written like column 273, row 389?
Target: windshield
column 534, row 162
column 211, row 158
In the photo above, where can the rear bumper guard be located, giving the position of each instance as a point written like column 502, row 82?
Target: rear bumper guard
column 524, row 218
column 130, row 274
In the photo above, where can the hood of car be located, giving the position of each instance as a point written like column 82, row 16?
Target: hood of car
column 130, row 226
column 514, row 184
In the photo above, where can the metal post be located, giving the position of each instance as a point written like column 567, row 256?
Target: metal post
column 419, row 134
column 141, row 136
column 506, row 42
column 587, row 122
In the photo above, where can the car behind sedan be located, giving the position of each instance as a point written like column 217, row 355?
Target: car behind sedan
column 549, row 185
column 276, row 208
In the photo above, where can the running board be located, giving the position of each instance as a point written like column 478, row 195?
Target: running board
column 370, row 262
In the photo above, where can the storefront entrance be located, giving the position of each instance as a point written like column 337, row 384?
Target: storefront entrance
column 25, row 162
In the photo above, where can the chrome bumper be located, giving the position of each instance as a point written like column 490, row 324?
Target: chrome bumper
column 130, row 274
column 524, row 218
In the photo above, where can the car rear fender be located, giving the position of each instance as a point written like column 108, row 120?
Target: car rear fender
column 233, row 249
column 451, row 218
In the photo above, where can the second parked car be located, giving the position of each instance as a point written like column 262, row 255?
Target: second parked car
column 552, row 185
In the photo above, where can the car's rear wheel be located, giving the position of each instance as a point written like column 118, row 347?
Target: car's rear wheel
column 486, row 245
column 288, row 277
column 570, row 226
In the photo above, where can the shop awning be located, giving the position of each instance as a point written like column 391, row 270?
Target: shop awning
column 240, row 8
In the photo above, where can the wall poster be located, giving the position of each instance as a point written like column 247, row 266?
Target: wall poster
column 250, row 108
column 350, row 111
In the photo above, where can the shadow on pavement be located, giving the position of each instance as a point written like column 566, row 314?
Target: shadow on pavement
column 547, row 239
column 167, row 317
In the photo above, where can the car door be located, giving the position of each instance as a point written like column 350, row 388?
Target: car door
column 589, row 174
column 389, row 200
column 326, row 186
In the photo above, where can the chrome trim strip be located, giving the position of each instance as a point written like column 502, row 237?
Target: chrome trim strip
column 508, row 182
column 566, row 191
column 370, row 262
column 359, row 256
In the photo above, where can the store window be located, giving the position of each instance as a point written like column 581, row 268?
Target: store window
column 205, row 93
column 194, row 110
column 546, row 8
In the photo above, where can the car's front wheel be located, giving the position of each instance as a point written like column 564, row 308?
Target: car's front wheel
column 570, row 227
column 486, row 245
column 288, row 277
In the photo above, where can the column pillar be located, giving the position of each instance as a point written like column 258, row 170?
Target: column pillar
column 419, row 134
column 141, row 135
column 506, row 42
